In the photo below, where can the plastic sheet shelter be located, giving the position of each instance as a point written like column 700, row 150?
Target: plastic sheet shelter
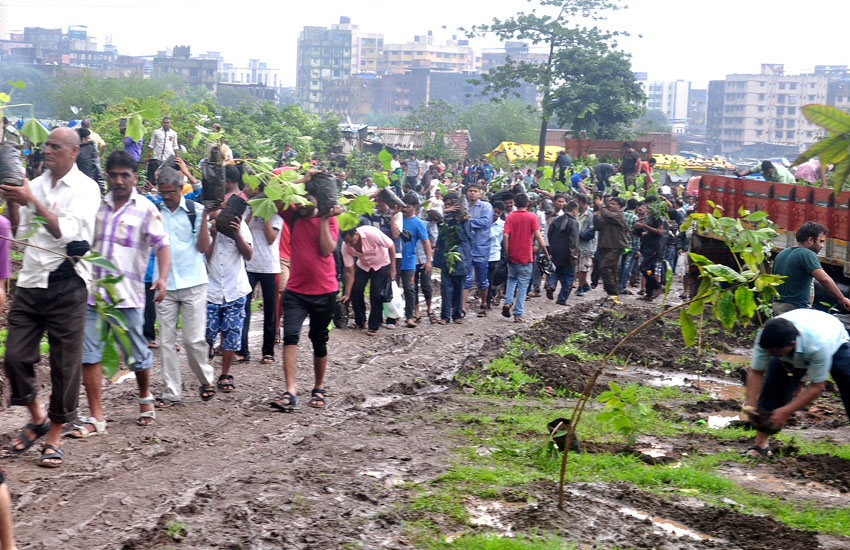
column 521, row 151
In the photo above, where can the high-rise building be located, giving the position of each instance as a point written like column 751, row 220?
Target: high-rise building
column 697, row 104
column 669, row 97
column 516, row 51
column 747, row 109
column 455, row 56
column 194, row 70
column 323, row 55
column 367, row 49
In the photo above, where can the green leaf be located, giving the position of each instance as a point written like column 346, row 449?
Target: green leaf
column 263, row 208
column 150, row 109
column 827, row 117
column 668, row 279
column 196, row 140
column 34, row 131
column 829, row 150
column 756, row 216
column 19, row 84
column 689, row 330
column 96, row 259
column 347, row 220
column 289, row 175
column 745, row 300
column 274, row 192
column 252, row 181
column 725, row 273
column 699, row 259
column 386, row 159
column 381, row 179
column 726, row 312
column 361, row 205
column 5, row 98
column 840, row 173
column 135, row 127
column 110, row 361
column 614, row 387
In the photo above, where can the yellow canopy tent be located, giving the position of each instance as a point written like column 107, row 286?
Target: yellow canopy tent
column 519, row 151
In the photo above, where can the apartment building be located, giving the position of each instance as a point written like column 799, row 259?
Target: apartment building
column 323, row 55
column 746, row 109
column 455, row 56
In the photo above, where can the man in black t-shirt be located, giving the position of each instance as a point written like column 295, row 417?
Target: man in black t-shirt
column 629, row 164
column 653, row 243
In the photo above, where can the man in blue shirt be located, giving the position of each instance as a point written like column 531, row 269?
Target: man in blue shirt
column 798, row 343
column 488, row 169
column 480, row 220
column 413, row 232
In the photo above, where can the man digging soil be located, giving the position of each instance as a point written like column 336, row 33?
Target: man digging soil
column 798, row 343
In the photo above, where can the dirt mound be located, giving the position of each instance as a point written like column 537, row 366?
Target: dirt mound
column 712, row 405
column 827, row 469
column 599, row 513
column 557, row 371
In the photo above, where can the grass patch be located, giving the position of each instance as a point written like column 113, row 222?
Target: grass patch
column 496, row 542
column 503, row 376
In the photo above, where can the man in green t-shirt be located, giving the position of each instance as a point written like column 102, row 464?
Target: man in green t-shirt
column 771, row 171
column 800, row 265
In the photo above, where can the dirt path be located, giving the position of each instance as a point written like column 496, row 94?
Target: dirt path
column 232, row 471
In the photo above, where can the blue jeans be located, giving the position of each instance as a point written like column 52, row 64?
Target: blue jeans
column 451, row 291
column 565, row 275
column 519, row 277
column 627, row 263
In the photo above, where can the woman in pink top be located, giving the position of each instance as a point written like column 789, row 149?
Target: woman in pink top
column 366, row 254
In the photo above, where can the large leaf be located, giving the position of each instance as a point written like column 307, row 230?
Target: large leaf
column 841, row 171
column 726, row 312
column 251, row 181
column 381, row 179
column 151, row 109
column 386, row 159
column 829, row 150
column 19, row 84
column 110, row 361
column 746, row 302
column 135, row 128
column 34, row 131
column 347, row 220
column 95, row 259
column 263, row 208
column 725, row 273
column 361, row 205
column 5, row 98
column 828, row 118
column 689, row 330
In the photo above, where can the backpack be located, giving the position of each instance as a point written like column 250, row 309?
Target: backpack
column 192, row 213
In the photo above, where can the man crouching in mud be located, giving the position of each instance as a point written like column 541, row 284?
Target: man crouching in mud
column 795, row 344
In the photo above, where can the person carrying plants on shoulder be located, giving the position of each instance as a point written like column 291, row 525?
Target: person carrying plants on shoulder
column 613, row 239
column 800, row 266
column 522, row 228
column 228, row 285
column 310, row 291
column 795, row 344
column 368, row 255
column 563, row 245
column 454, row 246
column 127, row 227
column 653, row 243
column 187, row 225
column 50, row 294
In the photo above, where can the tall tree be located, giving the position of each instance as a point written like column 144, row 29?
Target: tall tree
column 585, row 81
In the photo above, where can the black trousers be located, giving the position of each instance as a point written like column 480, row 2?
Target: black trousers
column 297, row 307
column 408, row 280
column 422, row 280
column 377, row 281
column 149, row 329
column 59, row 310
column 268, row 285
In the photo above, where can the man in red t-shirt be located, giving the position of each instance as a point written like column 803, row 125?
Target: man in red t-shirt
column 311, row 291
column 283, row 277
column 521, row 228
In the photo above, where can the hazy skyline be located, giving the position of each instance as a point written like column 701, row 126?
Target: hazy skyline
column 681, row 39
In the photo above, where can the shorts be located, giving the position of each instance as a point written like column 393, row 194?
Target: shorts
column 297, row 307
column 585, row 264
column 139, row 358
column 228, row 319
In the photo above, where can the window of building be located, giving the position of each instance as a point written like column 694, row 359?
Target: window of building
column 761, row 108
column 792, row 85
column 789, row 135
column 791, row 110
column 809, row 134
column 780, row 110
column 193, row 72
column 761, row 97
column 780, row 98
column 759, row 133
column 781, row 85
column 759, row 121
column 792, row 99
column 789, row 123
column 778, row 135
column 780, row 123
column 811, row 98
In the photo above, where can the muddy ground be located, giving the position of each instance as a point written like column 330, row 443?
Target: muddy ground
column 232, row 473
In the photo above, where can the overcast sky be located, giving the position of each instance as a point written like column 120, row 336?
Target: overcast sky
column 681, row 39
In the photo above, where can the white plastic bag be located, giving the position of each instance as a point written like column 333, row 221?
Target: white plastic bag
column 395, row 309
column 682, row 264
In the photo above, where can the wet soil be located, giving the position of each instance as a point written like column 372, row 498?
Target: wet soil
column 611, row 514
column 829, row 470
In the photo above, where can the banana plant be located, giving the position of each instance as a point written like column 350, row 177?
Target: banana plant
column 834, row 149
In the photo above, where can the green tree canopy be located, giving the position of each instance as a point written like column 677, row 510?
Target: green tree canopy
column 490, row 123
column 585, row 82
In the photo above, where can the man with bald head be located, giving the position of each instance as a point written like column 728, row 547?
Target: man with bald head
column 51, row 289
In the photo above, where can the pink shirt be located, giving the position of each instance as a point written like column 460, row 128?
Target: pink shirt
column 809, row 171
column 375, row 249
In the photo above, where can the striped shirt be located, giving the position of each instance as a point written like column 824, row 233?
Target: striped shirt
column 125, row 237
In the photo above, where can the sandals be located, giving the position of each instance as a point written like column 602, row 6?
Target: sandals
column 764, row 453
column 443, row 322
column 149, row 400
column 317, row 401
column 371, row 333
column 482, row 311
column 164, row 402
column 356, row 326
column 411, row 323
column 506, row 311
column 267, row 360
column 55, row 455
column 242, row 358
column 225, row 383
column 458, row 321
column 81, row 432
column 207, row 392
column 25, row 440
column 285, row 402
column 433, row 317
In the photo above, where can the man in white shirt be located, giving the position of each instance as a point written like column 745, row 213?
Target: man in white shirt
column 163, row 144
column 226, row 291
column 51, row 290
